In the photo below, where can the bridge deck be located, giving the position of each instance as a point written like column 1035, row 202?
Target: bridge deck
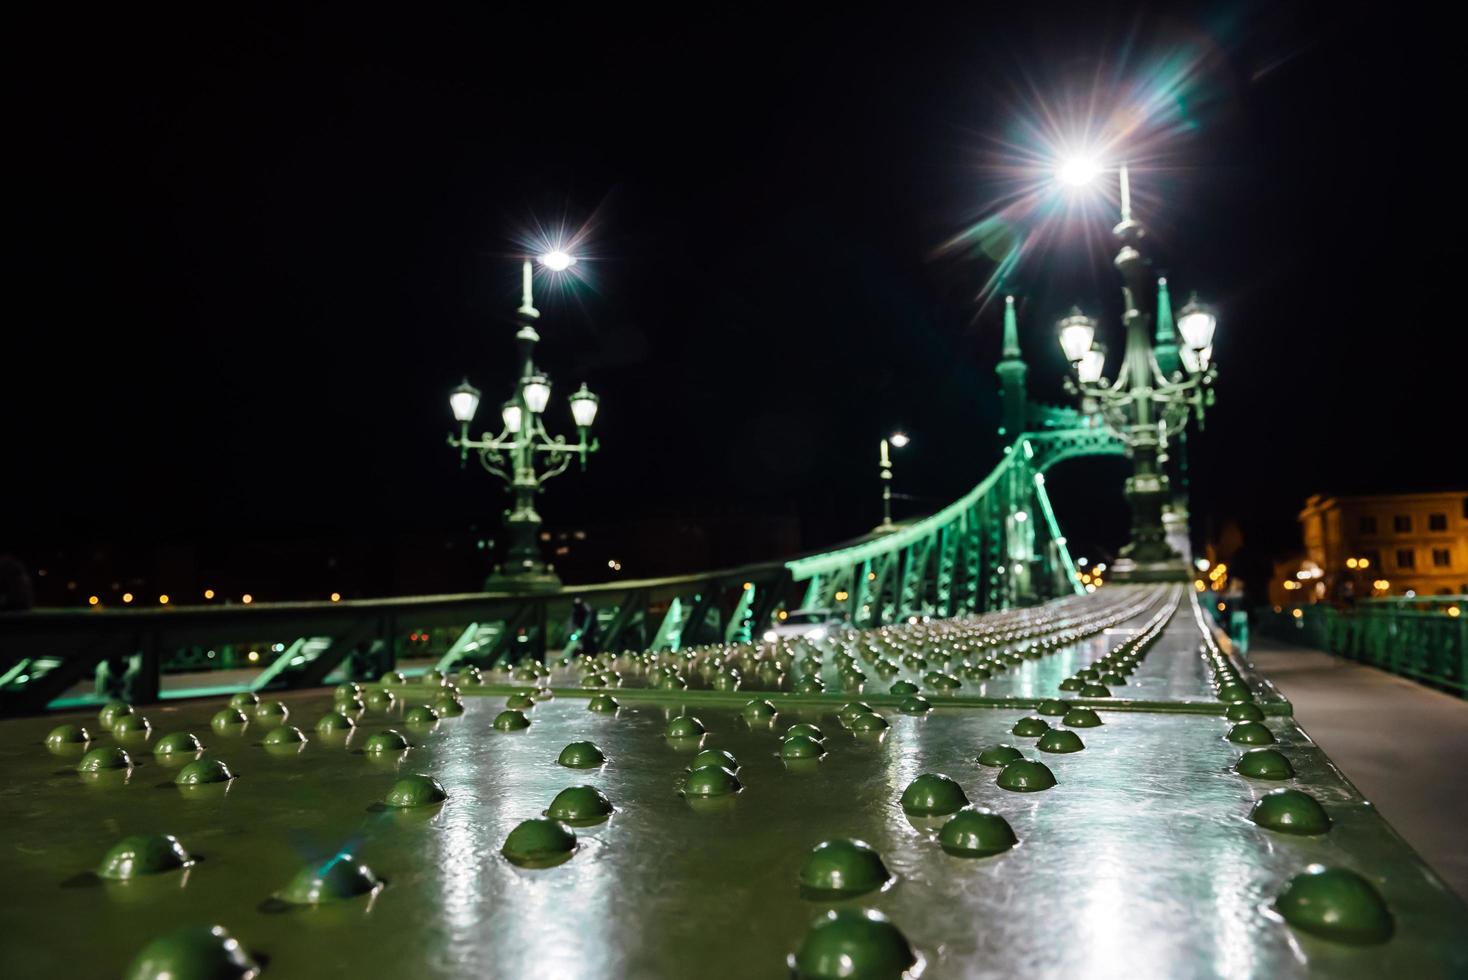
column 1141, row 861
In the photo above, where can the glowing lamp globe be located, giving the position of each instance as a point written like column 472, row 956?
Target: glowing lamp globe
column 583, row 406
column 464, row 400
column 1196, row 323
column 537, row 393
column 1077, row 332
column 513, row 415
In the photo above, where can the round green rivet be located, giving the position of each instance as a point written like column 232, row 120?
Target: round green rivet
column 711, row 781
column 1072, row 684
column 758, row 712
column 999, row 755
column 386, row 741
column 432, row 678
column 715, row 757
column 106, row 757
column 848, row 712
column 581, row 755
column 511, row 720
column 336, row 879
column 1030, row 727
column 1244, row 711
column 1060, row 740
column 1265, row 764
column 915, row 704
column 801, row 747
column 349, row 691
column 604, row 703
column 194, row 953
column 580, row 806
column 1336, row 904
column 684, row 726
column 380, row 699
column 1234, row 692
column 523, row 702
column 418, row 789
column 272, row 712
column 1250, row 733
column 539, row 844
column 807, row 729
column 841, row 868
column 202, row 771
column 976, row 832
column 1053, row 706
column 422, row 714
column 129, row 726
column 903, row 688
column 1290, row 811
column 933, row 794
column 1081, row 718
column 448, row 707
column 285, row 735
column 1026, row 776
column 334, row 721
column 810, row 684
column 871, row 722
column 393, row 677
column 244, row 699
column 1095, row 691
column 143, row 854
column 112, row 711
column 850, row 943
column 226, row 719
column 63, row 735
column 178, row 742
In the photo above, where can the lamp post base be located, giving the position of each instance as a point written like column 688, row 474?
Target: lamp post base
column 1167, row 570
column 540, row 579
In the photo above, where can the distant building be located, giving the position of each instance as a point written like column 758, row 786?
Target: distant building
column 1392, row 544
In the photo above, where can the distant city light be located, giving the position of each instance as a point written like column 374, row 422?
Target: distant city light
column 1083, row 562
column 1296, row 613
column 92, row 600
column 127, row 597
column 247, row 598
column 163, row 600
column 208, row 593
column 336, row 597
column 254, row 656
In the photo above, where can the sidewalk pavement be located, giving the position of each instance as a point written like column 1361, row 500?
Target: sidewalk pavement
column 1405, row 746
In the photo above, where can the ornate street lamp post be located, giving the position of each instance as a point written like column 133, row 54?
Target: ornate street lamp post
column 1154, row 394
column 896, row 441
column 523, row 442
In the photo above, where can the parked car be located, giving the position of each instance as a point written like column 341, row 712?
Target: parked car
column 813, row 624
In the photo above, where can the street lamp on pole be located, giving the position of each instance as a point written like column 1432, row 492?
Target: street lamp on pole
column 896, row 440
column 1147, row 404
column 523, row 442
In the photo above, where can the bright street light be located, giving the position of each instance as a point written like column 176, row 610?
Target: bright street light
column 557, row 260
column 899, row 439
column 1078, row 171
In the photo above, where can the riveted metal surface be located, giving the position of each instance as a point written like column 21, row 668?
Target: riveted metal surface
column 1142, row 859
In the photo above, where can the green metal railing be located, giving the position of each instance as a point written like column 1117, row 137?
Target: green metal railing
column 996, row 547
column 1424, row 638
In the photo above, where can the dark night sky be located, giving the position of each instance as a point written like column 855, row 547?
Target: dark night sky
column 254, row 250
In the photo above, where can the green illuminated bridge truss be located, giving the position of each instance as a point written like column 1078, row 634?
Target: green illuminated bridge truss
column 998, row 546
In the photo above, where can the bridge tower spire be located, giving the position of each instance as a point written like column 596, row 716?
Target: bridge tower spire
column 1164, row 346
column 1012, row 371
